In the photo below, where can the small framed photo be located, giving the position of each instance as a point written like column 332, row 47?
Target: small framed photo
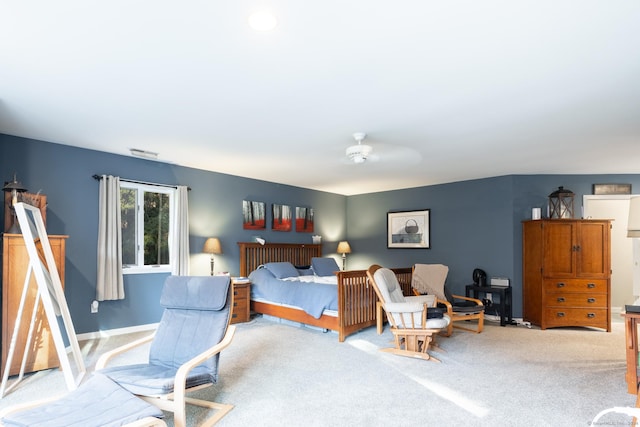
column 408, row 229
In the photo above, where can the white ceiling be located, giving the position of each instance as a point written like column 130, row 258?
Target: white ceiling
column 447, row 90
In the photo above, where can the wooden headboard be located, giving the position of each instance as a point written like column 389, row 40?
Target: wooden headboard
column 253, row 254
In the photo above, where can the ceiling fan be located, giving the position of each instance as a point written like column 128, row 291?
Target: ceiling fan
column 359, row 152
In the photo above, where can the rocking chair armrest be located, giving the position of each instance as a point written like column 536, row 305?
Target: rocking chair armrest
column 430, row 300
column 475, row 300
column 447, row 304
column 403, row 307
column 183, row 371
column 106, row 357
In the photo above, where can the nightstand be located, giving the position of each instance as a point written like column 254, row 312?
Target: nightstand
column 241, row 306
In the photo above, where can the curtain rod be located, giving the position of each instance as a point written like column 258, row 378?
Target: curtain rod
column 99, row 177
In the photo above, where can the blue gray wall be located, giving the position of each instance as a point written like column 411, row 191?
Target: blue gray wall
column 64, row 174
column 473, row 223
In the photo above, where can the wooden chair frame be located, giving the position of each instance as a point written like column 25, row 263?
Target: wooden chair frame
column 409, row 340
column 457, row 317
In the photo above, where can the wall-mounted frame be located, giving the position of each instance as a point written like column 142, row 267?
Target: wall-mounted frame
column 408, row 229
column 254, row 215
column 606, row 189
column 304, row 220
column 281, row 217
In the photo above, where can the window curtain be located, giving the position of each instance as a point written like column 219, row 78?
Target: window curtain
column 179, row 233
column 110, row 284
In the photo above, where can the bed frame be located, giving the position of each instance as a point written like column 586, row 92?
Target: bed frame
column 356, row 299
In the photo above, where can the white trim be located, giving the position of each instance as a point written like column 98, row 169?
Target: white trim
column 118, row 331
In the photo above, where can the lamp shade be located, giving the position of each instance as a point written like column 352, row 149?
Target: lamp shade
column 212, row 246
column 633, row 225
column 344, row 248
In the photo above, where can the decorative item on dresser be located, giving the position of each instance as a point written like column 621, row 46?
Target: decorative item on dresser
column 356, row 299
column 566, row 272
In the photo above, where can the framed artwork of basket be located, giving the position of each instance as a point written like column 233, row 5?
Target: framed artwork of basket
column 408, row 229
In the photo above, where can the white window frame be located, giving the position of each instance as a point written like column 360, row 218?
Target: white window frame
column 141, row 189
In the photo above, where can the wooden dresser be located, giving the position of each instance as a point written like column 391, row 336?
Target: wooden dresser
column 241, row 306
column 566, row 269
column 15, row 261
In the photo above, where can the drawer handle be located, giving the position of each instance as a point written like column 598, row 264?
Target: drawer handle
column 235, row 304
column 591, row 315
column 560, row 285
column 234, row 315
column 561, row 299
column 591, row 285
column 235, row 292
column 560, row 314
column 591, row 300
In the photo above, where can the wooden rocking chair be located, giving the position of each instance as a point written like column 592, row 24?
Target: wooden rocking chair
column 413, row 331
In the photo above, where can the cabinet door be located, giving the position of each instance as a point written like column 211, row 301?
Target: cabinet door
column 559, row 249
column 42, row 354
column 593, row 249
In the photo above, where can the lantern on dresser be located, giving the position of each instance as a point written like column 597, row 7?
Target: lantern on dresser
column 561, row 203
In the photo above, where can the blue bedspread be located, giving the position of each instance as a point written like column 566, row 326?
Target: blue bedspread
column 312, row 297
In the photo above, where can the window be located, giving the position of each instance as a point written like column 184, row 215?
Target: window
column 145, row 215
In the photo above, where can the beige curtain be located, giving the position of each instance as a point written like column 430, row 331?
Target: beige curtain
column 110, row 284
column 179, row 233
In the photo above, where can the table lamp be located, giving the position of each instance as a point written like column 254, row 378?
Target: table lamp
column 344, row 249
column 212, row 246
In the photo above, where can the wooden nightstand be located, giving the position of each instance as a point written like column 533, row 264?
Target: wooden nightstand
column 241, row 306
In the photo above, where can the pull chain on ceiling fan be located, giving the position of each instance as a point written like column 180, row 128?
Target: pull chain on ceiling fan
column 358, row 153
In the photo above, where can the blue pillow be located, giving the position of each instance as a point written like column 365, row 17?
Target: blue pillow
column 324, row 266
column 281, row 270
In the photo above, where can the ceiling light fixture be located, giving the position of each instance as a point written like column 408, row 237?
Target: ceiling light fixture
column 262, row 21
column 144, row 154
column 359, row 153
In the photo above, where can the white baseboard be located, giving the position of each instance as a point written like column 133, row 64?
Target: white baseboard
column 118, row 331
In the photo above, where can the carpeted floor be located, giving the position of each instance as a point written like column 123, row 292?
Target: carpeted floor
column 282, row 375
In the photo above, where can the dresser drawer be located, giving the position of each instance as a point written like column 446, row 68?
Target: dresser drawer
column 554, row 316
column 576, row 285
column 569, row 300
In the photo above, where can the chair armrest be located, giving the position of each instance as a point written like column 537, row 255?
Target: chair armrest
column 475, row 300
column 106, row 357
column 447, row 304
column 430, row 300
column 181, row 376
column 403, row 307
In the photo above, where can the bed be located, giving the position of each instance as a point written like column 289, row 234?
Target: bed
column 356, row 308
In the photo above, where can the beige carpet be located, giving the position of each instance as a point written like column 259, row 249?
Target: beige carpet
column 278, row 374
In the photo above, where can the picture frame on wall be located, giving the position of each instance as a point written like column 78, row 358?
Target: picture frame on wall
column 254, row 215
column 304, row 219
column 281, row 217
column 409, row 229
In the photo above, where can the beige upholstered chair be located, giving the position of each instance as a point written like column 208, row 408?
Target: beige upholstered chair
column 408, row 316
column 430, row 279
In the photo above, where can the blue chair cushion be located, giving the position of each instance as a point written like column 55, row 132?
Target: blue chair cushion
column 195, row 292
column 97, row 402
column 149, row 380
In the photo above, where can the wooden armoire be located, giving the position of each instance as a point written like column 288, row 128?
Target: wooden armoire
column 15, row 260
column 566, row 269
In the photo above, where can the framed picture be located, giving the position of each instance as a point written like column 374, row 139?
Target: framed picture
column 304, row 220
column 408, row 229
column 601, row 189
column 254, row 215
column 281, row 216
